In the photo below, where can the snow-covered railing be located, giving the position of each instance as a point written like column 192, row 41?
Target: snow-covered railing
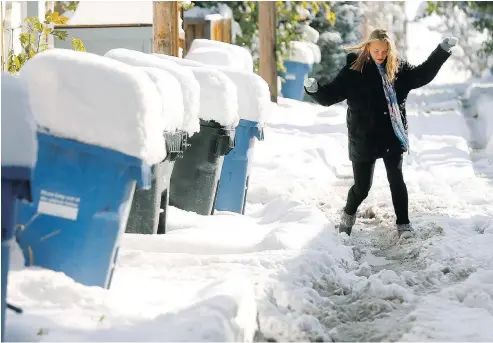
column 96, row 100
column 189, row 84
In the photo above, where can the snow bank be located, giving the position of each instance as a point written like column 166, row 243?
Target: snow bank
column 171, row 97
column 311, row 34
column 96, row 100
column 253, row 94
column 244, row 57
column 218, row 99
column 300, row 52
column 189, row 85
column 19, row 143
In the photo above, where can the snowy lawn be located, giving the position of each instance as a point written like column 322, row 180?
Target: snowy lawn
column 281, row 271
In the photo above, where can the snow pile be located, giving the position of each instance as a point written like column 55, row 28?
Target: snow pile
column 169, row 89
column 97, row 101
column 253, row 94
column 218, row 97
column 300, row 52
column 243, row 56
column 311, row 34
column 19, row 143
column 189, row 85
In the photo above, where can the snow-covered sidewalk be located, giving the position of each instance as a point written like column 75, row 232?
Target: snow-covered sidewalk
column 281, row 271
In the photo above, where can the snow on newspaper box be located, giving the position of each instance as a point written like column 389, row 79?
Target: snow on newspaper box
column 19, row 148
column 100, row 130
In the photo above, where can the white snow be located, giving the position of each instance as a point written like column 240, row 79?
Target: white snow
column 317, row 54
column 19, row 143
column 300, row 52
column 96, row 100
column 281, row 272
column 181, row 61
column 311, row 34
column 252, row 92
column 244, row 57
column 189, row 85
column 169, row 89
column 218, row 97
column 213, row 56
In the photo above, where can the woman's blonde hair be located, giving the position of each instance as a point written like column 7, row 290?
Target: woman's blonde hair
column 364, row 55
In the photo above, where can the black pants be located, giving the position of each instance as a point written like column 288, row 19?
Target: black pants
column 363, row 177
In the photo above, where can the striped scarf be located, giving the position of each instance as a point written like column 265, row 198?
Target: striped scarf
column 395, row 113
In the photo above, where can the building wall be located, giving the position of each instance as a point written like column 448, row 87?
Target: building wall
column 99, row 40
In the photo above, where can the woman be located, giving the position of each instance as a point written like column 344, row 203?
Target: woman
column 376, row 82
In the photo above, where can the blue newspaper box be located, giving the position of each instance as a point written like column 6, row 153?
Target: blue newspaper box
column 292, row 86
column 233, row 184
column 16, row 185
column 81, row 201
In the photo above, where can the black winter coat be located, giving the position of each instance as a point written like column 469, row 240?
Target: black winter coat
column 370, row 131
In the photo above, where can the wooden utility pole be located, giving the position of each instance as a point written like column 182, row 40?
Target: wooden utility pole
column 165, row 31
column 267, row 31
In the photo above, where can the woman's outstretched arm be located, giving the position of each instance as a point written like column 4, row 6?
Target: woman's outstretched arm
column 329, row 94
column 420, row 75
